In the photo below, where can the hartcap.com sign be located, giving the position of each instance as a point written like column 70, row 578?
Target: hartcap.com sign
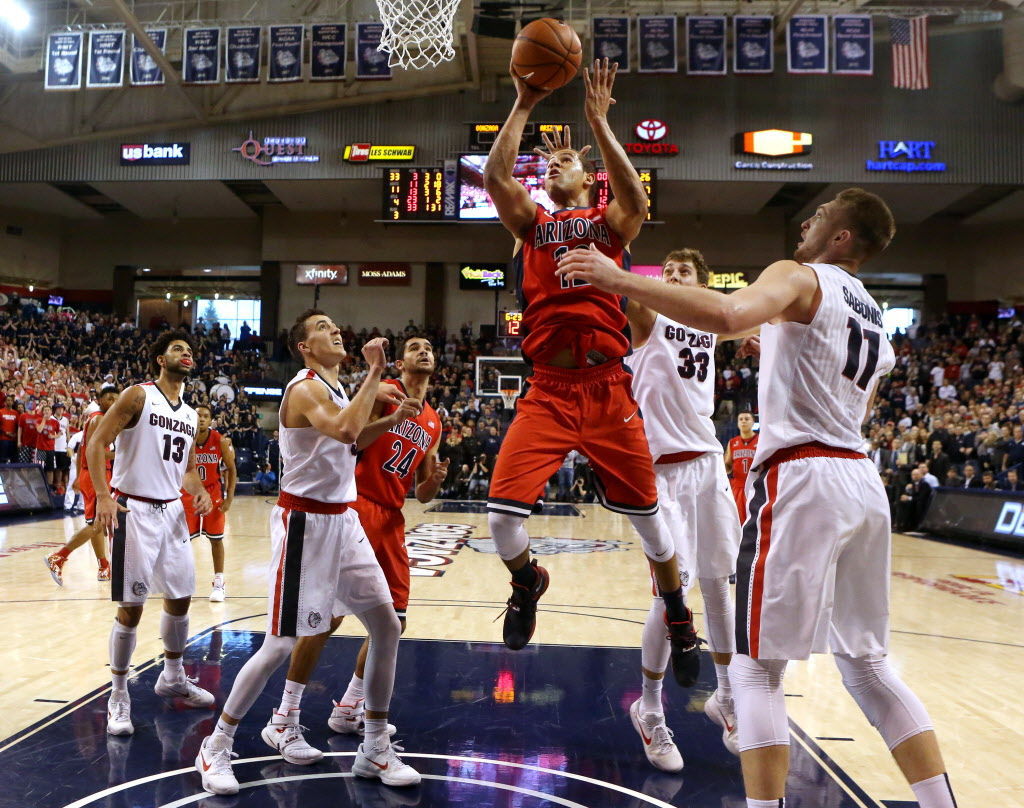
column 321, row 274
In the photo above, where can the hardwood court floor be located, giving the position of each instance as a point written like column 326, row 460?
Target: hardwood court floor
column 956, row 639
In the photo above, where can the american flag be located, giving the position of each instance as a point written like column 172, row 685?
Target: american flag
column 909, row 52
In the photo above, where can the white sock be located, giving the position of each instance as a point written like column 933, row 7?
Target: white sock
column 122, row 644
column 354, row 692
column 224, row 728
column 218, row 579
column 724, row 688
column 174, row 632
column 290, row 699
column 779, row 803
column 376, row 731
column 650, row 700
column 935, row 792
column 174, row 670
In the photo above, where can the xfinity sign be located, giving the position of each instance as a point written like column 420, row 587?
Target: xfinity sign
column 155, row 154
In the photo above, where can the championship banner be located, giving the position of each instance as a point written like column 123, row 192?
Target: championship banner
column 201, row 56
column 63, row 61
column 611, row 40
column 851, row 44
column 285, row 53
column 705, row 46
column 143, row 71
column 327, row 52
column 105, row 68
column 242, row 54
column 807, row 43
column 753, row 51
column 656, row 41
column 370, row 62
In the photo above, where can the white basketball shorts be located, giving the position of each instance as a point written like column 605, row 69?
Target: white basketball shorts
column 813, row 570
column 150, row 552
column 699, row 510
column 321, row 565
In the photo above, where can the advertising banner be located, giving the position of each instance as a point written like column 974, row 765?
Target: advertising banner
column 971, row 513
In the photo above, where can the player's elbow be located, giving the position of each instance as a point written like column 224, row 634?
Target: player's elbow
column 731, row 319
column 346, row 435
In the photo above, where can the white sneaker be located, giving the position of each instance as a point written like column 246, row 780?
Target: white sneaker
column 722, row 714
column 350, row 719
column 286, row 737
column 119, row 715
column 214, row 766
column 657, row 737
column 385, row 765
column 217, row 593
column 184, row 689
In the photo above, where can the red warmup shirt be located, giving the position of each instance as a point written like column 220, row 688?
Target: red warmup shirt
column 558, row 313
column 387, row 467
column 8, row 424
column 48, row 430
column 28, row 421
column 742, row 456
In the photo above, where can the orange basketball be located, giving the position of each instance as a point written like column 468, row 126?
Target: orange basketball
column 546, row 54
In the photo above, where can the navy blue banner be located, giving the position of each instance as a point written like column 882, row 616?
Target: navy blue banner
column 63, row 61
column 286, row 53
column 201, row 56
column 105, row 67
column 807, row 43
column 370, row 62
column 753, row 51
column 851, row 44
column 242, row 54
column 656, row 41
column 143, row 71
column 705, row 46
column 611, row 40
column 327, row 52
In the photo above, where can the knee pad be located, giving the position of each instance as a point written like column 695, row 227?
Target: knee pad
column 884, row 698
column 760, row 702
column 654, row 536
column 509, row 534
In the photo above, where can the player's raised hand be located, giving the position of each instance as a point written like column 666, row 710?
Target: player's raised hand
column 409, row 408
column 107, row 509
column 591, row 266
column 599, row 88
column 387, row 393
column 528, row 96
column 373, row 352
column 556, row 142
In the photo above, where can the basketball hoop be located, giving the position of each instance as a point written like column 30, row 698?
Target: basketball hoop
column 508, row 398
column 417, row 33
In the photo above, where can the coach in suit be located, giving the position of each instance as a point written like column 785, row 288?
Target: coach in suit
column 913, row 502
column 1012, row 481
column 971, row 478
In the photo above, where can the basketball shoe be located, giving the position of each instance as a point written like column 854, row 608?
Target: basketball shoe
column 119, row 714
column 685, row 646
column 55, row 564
column 382, row 762
column 521, row 610
column 184, row 689
column 659, row 747
column 350, row 719
column 217, row 592
column 285, row 735
column 723, row 714
column 103, row 572
column 214, row 765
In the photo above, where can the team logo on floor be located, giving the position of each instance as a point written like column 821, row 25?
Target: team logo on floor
column 549, row 545
column 433, row 546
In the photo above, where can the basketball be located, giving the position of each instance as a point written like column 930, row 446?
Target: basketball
column 546, row 54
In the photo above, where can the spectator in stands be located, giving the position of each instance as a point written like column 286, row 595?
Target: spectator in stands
column 953, row 480
column 266, row 480
column 1014, row 449
column 988, row 480
column 9, row 430
column 938, row 462
column 28, row 422
column 480, row 477
column 913, row 502
column 971, row 479
column 1012, row 481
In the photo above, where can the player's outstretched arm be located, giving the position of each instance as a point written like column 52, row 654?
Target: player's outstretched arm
column 785, row 290
column 512, row 201
column 628, row 210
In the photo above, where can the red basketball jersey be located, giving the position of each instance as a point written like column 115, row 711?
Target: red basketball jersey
column 386, row 468
column 208, row 460
column 742, row 456
column 558, row 313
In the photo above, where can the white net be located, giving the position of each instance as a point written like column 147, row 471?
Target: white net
column 417, row 33
column 508, row 398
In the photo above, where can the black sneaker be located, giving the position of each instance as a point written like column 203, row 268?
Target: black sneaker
column 521, row 610
column 685, row 650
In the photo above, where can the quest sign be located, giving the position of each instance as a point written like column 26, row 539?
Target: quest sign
column 321, row 274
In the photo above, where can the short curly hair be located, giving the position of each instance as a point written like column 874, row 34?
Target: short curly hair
column 163, row 342
column 692, row 256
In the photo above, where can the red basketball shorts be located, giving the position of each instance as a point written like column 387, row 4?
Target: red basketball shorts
column 212, row 524
column 89, row 495
column 591, row 410
column 385, row 528
column 740, row 497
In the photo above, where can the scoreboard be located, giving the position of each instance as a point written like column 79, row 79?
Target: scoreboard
column 413, row 194
column 510, row 324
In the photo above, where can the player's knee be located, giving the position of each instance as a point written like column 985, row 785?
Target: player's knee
column 756, row 674
column 336, row 623
column 177, row 606
column 884, row 698
column 510, row 540
column 129, row 615
column 654, row 538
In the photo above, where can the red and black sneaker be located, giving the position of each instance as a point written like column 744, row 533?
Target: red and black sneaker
column 521, row 610
column 685, row 646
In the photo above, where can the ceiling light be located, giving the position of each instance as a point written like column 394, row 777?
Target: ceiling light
column 216, row 295
column 187, row 303
column 167, row 296
column 145, row 269
column 14, row 14
column 207, row 269
column 31, row 287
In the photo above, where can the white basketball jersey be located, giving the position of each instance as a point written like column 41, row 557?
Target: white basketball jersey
column 150, row 458
column 317, row 466
column 674, row 384
column 816, row 380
